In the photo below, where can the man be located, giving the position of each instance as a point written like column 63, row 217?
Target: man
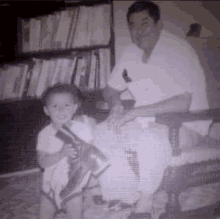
column 162, row 73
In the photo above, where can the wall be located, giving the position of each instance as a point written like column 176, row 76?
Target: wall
column 177, row 16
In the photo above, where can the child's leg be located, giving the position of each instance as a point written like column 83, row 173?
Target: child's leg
column 47, row 209
column 74, row 208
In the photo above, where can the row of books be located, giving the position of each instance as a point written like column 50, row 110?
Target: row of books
column 88, row 71
column 72, row 28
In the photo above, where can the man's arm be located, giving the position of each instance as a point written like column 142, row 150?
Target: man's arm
column 180, row 103
column 112, row 96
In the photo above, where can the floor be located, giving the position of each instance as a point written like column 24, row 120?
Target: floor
column 19, row 199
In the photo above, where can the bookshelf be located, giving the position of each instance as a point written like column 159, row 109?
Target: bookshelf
column 40, row 60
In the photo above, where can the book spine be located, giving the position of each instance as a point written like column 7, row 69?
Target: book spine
column 73, row 27
column 81, row 35
column 70, row 71
column 102, row 70
column 74, row 70
column 82, row 82
column 3, row 78
column 92, row 72
column 35, row 77
column 56, row 25
column 43, row 77
column 43, row 32
column 57, row 72
column 28, row 79
column 97, row 73
column 78, row 71
column 25, row 35
column 37, row 35
column 89, row 59
column 23, row 81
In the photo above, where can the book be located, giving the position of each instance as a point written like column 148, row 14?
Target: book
column 74, row 70
column 18, row 81
column 63, row 30
column 3, row 77
column 102, row 70
column 91, row 85
column 34, row 77
column 41, row 86
column 43, row 31
column 74, row 13
column 24, row 70
column 33, row 22
column 80, row 66
column 57, row 72
column 28, row 78
column 50, row 72
column 90, row 24
column 88, row 61
column 101, row 25
column 37, row 34
column 82, row 80
column 97, row 72
column 108, row 63
column 70, row 71
column 55, row 28
column 12, row 75
column 25, row 25
column 81, row 34
column 46, row 41
column 64, row 70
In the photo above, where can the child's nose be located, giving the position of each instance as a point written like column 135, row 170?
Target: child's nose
column 61, row 108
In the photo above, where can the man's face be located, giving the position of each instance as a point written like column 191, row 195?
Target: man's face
column 144, row 32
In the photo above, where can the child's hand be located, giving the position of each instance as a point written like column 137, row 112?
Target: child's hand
column 68, row 150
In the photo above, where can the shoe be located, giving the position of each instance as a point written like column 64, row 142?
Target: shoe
column 89, row 160
column 117, row 205
column 139, row 215
column 89, row 155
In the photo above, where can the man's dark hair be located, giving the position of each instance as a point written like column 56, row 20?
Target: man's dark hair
column 59, row 89
column 139, row 6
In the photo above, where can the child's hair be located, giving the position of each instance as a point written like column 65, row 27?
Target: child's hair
column 61, row 88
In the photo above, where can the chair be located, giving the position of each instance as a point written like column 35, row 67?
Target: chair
column 189, row 168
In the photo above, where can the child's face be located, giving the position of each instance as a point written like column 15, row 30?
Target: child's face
column 60, row 108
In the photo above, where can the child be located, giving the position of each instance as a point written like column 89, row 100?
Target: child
column 67, row 160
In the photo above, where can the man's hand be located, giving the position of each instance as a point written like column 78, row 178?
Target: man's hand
column 115, row 114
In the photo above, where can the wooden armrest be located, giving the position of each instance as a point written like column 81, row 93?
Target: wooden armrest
column 174, row 122
column 176, row 119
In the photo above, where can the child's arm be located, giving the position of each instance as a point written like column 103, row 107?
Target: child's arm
column 46, row 160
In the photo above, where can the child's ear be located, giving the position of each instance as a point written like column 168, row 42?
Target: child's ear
column 46, row 111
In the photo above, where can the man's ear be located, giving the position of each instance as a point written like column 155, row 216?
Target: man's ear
column 46, row 111
column 160, row 25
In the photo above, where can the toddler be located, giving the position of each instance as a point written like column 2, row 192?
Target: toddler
column 65, row 153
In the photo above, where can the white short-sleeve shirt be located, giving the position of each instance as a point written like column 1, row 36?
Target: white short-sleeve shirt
column 172, row 69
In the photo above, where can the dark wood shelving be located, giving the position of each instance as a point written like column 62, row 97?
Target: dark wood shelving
column 21, row 119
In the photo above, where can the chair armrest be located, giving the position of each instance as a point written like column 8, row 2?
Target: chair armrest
column 176, row 119
column 174, row 122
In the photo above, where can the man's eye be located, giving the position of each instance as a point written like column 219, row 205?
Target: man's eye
column 54, row 106
column 144, row 23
